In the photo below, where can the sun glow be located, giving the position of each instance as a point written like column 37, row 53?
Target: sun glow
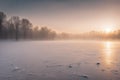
column 108, row 30
column 108, row 27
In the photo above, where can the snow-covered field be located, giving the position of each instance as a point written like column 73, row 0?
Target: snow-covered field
column 59, row 60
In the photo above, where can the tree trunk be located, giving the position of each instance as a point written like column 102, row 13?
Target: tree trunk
column 0, row 30
column 17, row 33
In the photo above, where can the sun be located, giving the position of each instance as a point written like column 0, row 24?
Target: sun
column 108, row 30
column 108, row 27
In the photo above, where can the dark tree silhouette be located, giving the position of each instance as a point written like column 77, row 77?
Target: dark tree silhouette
column 36, row 32
column 25, row 25
column 11, row 29
column 16, row 23
column 46, row 33
column 2, row 17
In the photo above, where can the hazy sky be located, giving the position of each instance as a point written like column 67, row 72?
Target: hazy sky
column 66, row 15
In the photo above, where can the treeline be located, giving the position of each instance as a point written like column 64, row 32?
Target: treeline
column 97, row 35
column 16, row 28
column 113, row 35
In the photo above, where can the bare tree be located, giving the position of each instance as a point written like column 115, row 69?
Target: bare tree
column 2, row 18
column 25, row 25
column 16, row 23
column 46, row 33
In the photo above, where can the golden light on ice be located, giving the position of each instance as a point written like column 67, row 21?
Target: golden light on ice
column 108, row 55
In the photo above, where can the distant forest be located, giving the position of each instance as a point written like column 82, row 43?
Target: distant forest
column 16, row 28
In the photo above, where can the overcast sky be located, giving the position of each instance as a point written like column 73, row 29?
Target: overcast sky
column 73, row 16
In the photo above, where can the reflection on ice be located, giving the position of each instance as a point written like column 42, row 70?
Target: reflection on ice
column 108, row 53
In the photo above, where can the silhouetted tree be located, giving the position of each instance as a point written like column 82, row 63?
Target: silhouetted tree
column 118, row 34
column 5, row 33
column 11, row 29
column 16, row 23
column 46, row 33
column 52, row 35
column 25, row 25
column 2, row 17
column 36, row 32
column 64, row 35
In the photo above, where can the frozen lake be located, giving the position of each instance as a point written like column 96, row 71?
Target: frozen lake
column 59, row 60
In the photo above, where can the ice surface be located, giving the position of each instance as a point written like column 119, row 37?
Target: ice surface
column 59, row 60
